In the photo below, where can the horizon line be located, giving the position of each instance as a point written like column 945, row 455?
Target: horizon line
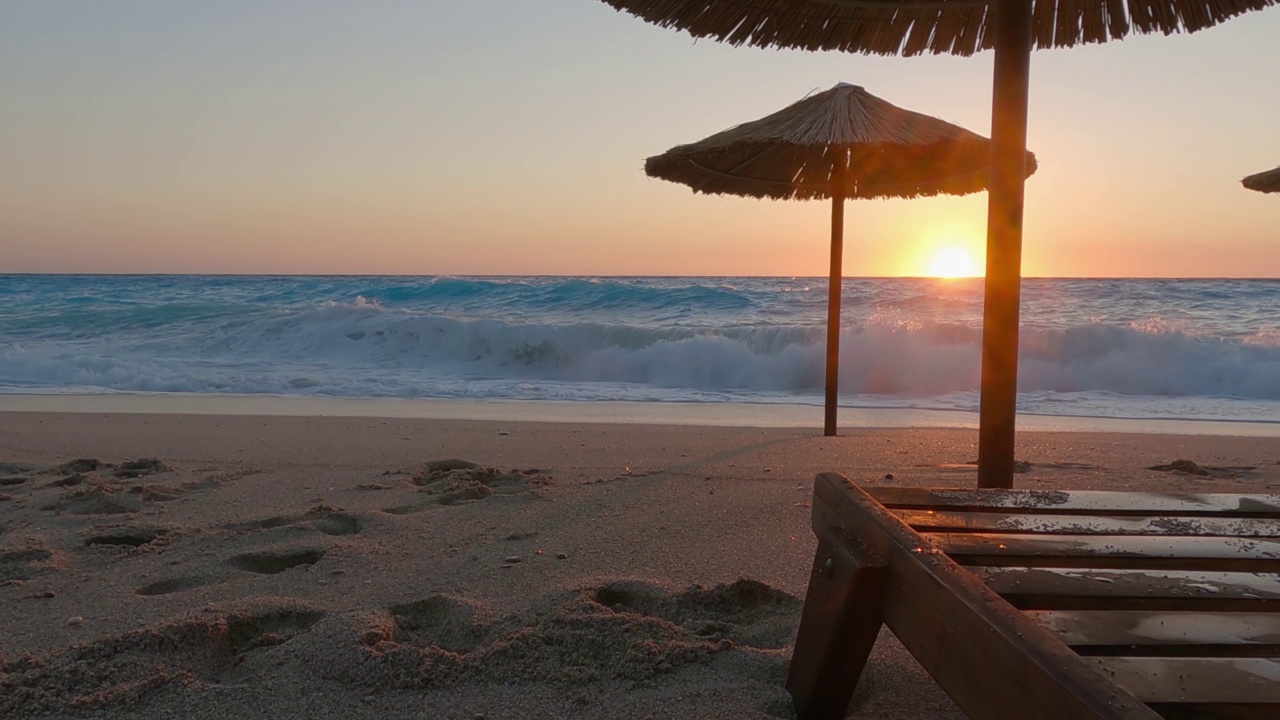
column 618, row 275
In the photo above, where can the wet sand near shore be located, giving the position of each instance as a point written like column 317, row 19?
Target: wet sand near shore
column 249, row 566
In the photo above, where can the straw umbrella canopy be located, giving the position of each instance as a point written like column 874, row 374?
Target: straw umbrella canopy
column 838, row 144
column 1267, row 182
column 958, row 27
column 913, row 27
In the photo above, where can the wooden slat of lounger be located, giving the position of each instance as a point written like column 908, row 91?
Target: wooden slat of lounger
column 1215, row 711
column 1061, row 502
column 1013, row 522
column 1198, row 680
column 1155, row 633
column 1104, row 589
column 993, row 661
column 1112, row 551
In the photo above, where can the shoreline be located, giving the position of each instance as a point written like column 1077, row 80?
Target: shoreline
column 738, row 415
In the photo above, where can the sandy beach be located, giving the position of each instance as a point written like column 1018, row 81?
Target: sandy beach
column 420, row 361
column 159, row 566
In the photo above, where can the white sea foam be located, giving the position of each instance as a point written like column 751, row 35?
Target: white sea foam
column 905, row 343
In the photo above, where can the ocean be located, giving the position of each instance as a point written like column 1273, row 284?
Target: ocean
column 1123, row 348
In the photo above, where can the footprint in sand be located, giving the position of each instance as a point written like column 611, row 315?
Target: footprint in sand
column 746, row 612
column 1188, row 467
column 454, row 624
column 13, row 468
column 625, row 630
column 99, row 488
column 322, row 518
column 456, row 482
column 173, row 585
column 272, row 562
column 127, row 469
column 337, row 524
column 126, row 536
column 97, row 501
column 20, row 565
column 140, row 468
column 16, row 475
column 154, row 492
column 167, row 492
column 261, row 562
column 79, row 465
column 219, row 646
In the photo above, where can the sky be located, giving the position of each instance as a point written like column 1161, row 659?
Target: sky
column 508, row 137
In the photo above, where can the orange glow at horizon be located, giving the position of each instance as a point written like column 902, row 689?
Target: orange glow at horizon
column 952, row 262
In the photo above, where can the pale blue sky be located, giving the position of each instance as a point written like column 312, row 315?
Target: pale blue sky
column 508, row 136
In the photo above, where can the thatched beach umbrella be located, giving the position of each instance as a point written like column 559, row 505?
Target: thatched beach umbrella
column 958, row 27
column 1267, row 182
column 842, row 143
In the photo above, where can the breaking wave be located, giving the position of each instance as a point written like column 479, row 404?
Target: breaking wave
column 904, row 342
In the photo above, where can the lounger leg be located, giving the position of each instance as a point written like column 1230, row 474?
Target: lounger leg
column 838, row 627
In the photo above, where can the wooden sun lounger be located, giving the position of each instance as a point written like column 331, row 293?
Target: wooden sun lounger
column 1030, row 604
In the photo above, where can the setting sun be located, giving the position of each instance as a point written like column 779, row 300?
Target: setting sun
column 952, row 262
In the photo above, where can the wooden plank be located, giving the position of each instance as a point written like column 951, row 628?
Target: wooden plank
column 1089, row 502
column 994, row 662
column 1198, row 680
column 1258, row 555
column 1093, row 632
column 1215, row 711
column 1036, row 523
column 1103, row 589
column 838, row 627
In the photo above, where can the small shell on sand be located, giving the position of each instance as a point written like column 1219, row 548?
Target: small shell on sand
column 75, row 621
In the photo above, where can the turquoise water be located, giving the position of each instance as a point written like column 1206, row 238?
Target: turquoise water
column 1171, row 349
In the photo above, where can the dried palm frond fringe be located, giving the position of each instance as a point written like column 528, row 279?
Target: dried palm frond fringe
column 913, row 27
column 1267, row 182
column 884, row 151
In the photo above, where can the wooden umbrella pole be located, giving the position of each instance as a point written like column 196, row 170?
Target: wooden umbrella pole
column 1002, row 295
column 834, row 286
